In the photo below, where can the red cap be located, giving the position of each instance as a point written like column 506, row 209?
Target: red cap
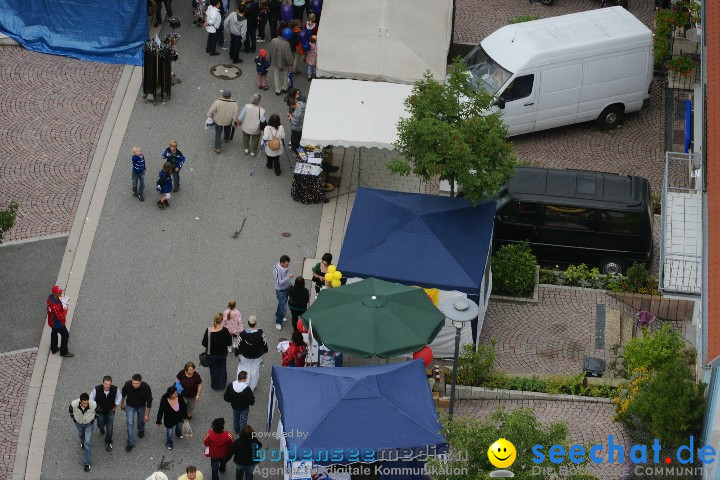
column 57, row 290
column 263, row 52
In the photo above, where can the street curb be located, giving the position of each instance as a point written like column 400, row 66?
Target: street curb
column 464, row 392
column 41, row 392
column 33, row 239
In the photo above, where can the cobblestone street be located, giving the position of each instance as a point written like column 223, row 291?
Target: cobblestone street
column 52, row 111
column 16, row 371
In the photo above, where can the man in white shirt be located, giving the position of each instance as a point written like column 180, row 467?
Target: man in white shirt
column 212, row 23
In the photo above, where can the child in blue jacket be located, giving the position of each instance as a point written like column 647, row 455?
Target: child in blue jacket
column 138, row 173
column 262, row 65
column 165, row 185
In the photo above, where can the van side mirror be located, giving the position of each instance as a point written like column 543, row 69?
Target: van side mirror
column 500, row 102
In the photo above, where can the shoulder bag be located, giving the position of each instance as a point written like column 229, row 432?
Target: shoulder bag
column 263, row 123
column 205, row 356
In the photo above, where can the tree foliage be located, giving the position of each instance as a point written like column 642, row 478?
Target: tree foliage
column 7, row 219
column 520, row 427
column 451, row 132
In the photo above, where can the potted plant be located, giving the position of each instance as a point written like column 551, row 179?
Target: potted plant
column 657, row 203
column 683, row 65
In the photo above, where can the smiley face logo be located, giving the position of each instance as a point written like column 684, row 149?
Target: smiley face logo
column 502, row 453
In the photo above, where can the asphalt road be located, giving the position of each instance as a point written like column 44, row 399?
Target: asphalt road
column 29, row 270
column 155, row 278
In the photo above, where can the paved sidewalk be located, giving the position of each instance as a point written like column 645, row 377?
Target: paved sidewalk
column 16, row 370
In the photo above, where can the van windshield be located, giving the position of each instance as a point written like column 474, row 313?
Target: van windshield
column 485, row 72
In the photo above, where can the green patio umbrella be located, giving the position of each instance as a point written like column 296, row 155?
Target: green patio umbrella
column 374, row 318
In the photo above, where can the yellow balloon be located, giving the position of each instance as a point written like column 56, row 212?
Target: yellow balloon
column 331, row 268
column 328, row 277
column 336, row 283
column 337, row 275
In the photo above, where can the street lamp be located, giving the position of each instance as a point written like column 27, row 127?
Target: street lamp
column 459, row 311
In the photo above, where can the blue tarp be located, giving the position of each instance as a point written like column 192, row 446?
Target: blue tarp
column 373, row 410
column 96, row 30
column 415, row 239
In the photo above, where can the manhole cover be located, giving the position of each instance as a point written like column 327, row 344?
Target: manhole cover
column 286, row 234
column 225, row 72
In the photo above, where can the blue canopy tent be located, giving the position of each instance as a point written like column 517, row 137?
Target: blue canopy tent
column 358, row 414
column 425, row 240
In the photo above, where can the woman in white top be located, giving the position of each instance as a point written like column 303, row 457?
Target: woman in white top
column 250, row 118
column 274, row 131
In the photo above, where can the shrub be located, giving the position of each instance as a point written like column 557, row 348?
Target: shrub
column 533, row 384
column 664, row 20
column 514, row 269
column 522, row 19
column 637, row 276
column 653, row 350
column 474, row 365
column 7, row 219
column 581, row 275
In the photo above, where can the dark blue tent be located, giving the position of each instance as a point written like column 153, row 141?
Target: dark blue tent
column 415, row 239
column 356, row 414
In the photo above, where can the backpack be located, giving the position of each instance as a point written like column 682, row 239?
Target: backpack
column 274, row 142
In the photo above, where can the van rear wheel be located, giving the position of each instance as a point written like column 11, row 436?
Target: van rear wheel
column 611, row 117
column 547, row 2
column 612, row 266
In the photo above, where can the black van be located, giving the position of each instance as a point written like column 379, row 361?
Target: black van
column 576, row 216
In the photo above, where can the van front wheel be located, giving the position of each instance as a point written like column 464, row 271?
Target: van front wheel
column 611, row 117
column 612, row 266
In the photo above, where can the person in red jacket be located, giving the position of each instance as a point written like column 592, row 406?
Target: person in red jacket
column 56, row 320
column 295, row 355
column 219, row 444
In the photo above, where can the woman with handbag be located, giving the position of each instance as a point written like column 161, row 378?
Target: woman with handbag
column 251, row 347
column 191, row 384
column 174, row 409
column 252, row 120
column 273, row 137
column 218, row 342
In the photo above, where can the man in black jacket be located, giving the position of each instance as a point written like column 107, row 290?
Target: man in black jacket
column 108, row 397
column 251, row 14
column 136, row 400
column 240, row 397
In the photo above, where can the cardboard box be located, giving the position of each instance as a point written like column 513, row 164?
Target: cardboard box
column 436, row 395
column 443, row 402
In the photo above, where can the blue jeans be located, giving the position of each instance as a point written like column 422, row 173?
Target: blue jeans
column 246, row 470
column 168, row 8
column 218, row 371
column 282, row 297
column 105, row 421
column 130, row 413
column 138, row 183
column 312, row 69
column 64, row 339
column 239, row 420
column 169, row 434
column 217, row 465
column 85, row 432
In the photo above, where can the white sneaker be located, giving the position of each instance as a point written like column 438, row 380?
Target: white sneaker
column 278, row 326
column 246, row 151
column 252, row 154
column 284, row 319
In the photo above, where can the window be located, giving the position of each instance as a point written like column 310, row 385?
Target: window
column 521, row 213
column 520, row 88
column 627, row 223
column 571, row 218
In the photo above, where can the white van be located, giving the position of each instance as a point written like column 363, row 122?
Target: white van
column 594, row 65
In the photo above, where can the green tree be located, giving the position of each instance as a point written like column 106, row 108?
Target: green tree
column 519, row 427
column 451, row 132
column 652, row 350
column 7, row 219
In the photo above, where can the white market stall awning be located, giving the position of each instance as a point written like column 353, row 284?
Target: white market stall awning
column 384, row 40
column 354, row 113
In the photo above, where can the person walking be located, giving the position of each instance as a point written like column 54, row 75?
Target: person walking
column 280, row 57
column 56, row 317
column 108, row 397
column 136, row 401
column 273, row 139
column 83, row 412
column 261, row 67
column 164, row 186
column 223, row 112
column 311, row 58
column 220, row 341
column 212, row 24
column 274, row 7
column 173, row 407
column 245, row 451
column 252, row 10
column 219, row 443
column 191, row 473
column 176, row 159
column 232, row 320
column 298, row 9
column 240, row 397
column 138, row 173
column 250, row 118
column 319, row 271
column 295, row 355
column 251, row 347
column 158, row 11
column 282, row 278
column 236, row 24
column 298, row 299
column 191, row 384
column 224, row 9
column 262, row 19
column 297, row 117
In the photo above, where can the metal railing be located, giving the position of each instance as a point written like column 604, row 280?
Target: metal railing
column 680, row 272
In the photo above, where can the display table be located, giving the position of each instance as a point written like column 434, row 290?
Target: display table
column 307, row 188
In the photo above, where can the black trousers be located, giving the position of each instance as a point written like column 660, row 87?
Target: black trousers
column 211, row 42
column 235, row 46
column 64, row 338
column 273, row 27
column 251, row 39
column 295, row 136
column 298, row 12
column 274, row 162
